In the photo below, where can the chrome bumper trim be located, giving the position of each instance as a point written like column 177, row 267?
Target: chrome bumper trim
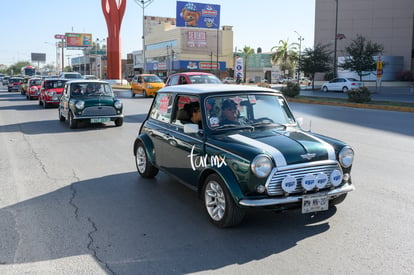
column 292, row 199
column 89, row 117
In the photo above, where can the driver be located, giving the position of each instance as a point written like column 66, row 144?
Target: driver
column 229, row 112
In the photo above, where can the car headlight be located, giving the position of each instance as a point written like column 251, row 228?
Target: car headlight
column 261, row 166
column 346, row 156
column 50, row 93
column 80, row 104
column 118, row 104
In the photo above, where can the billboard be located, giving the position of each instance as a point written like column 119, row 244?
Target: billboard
column 38, row 57
column 78, row 40
column 197, row 15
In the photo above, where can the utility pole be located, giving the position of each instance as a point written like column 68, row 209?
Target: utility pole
column 143, row 4
column 335, row 39
column 300, row 53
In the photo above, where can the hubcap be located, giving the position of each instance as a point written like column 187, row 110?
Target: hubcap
column 215, row 200
column 141, row 160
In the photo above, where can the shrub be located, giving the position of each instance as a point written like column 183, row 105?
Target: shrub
column 291, row 89
column 360, row 95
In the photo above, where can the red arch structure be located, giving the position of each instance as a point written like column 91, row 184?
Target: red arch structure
column 113, row 11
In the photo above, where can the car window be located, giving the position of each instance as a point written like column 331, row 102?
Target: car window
column 173, row 80
column 197, row 79
column 247, row 110
column 161, row 108
column 152, row 79
column 184, row 107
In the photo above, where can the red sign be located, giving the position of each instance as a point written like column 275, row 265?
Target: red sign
column 59, row 36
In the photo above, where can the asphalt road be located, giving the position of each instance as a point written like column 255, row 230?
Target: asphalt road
column 71, row 202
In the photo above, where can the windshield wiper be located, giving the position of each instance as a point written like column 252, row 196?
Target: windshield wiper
column 268, row 123
column 237, row 126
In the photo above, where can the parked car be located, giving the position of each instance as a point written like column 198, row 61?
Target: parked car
column 247, row 151
column 51, row 91
column 89, row 101
column 228, row 80
column 90, row 77
column 14, row 84
column 5, row 80
column 33, row 88
column 70, row 75
column 192, row 78
column 146, row 84
column 341, row 84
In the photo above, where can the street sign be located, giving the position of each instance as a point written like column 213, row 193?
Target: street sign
column 59, row 36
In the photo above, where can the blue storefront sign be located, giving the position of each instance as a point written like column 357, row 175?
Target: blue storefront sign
column 188, row 65
column 197, row 15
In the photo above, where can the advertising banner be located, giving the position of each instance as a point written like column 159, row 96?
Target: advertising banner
column 197, row 15
column 78, row 40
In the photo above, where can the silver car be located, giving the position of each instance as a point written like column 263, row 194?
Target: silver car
column 341, row 84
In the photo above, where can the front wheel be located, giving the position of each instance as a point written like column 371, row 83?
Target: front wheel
column 337, row 200
column 119, row 121
column 219, row 204
column 72, row 122
column 144, row 165
column 345, row 89
column 132, row 93
column 325, row 89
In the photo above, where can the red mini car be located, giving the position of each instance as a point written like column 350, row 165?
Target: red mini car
column 51, row 91
column 192, row 78
column 33, row 87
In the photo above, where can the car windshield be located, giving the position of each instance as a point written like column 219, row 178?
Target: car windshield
column 35, row 82
column 352, row 79
column 91, row 89
column 152, row 79
column 73, row 76
column 195, row 79
column 54, row 84
column 247, row 110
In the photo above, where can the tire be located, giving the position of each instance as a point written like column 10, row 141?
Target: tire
column 73, row 124
column 325, row 89
column 219, row 204
column 61, row 118
column 345, row 89
column 119, row 121
column 144, row 166
column 132, row 93
column 144, row 93
column 338, row 200
column 40, row 103
column 44, row 104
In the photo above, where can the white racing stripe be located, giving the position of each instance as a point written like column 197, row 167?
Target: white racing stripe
column 276, row 154
column 328, row 147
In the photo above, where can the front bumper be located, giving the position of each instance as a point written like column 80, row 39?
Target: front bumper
column 111, row 117
column 292, row 199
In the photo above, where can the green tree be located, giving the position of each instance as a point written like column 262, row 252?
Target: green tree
column 247, row 52
column 285, row 55
column 16, row 68
column 316, row 60
column 359, row 55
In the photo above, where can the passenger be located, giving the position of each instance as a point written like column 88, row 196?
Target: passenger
column 194, row 113
column 77, row 91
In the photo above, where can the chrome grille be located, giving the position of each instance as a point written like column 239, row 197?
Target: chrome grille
column 99, row 111
column 273, row 185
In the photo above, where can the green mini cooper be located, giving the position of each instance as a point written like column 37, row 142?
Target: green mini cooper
column 241, row 147
column 90, row 101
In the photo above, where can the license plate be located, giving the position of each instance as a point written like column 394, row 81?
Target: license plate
column 314, row 203
column 99, row 120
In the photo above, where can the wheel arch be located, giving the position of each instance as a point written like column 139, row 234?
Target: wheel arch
column 148, row 145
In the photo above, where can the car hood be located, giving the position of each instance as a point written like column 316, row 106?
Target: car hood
column 97, row 101
column 285, row 147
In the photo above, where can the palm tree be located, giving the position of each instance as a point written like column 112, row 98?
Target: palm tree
column 285, row 55
column 247, row 51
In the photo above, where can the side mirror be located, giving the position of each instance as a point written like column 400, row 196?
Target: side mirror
column 301, row 124
column 191, row 128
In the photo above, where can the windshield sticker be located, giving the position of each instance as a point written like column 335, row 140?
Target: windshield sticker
column 214, row 121
column 205, row 161
column 252, row 99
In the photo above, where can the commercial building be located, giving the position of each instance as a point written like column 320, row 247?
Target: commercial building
column 169, row 48
column 389, row 23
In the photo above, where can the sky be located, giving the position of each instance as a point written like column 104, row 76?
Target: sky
column 29, row 26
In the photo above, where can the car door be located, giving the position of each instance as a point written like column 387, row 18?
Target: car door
column 184, row 151
column 64, row 101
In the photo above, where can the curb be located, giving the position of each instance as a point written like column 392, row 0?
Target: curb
column 354, row 105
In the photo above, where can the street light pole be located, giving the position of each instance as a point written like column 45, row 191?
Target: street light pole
column 300, row 38
column 143, row 4
column 335, row 39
